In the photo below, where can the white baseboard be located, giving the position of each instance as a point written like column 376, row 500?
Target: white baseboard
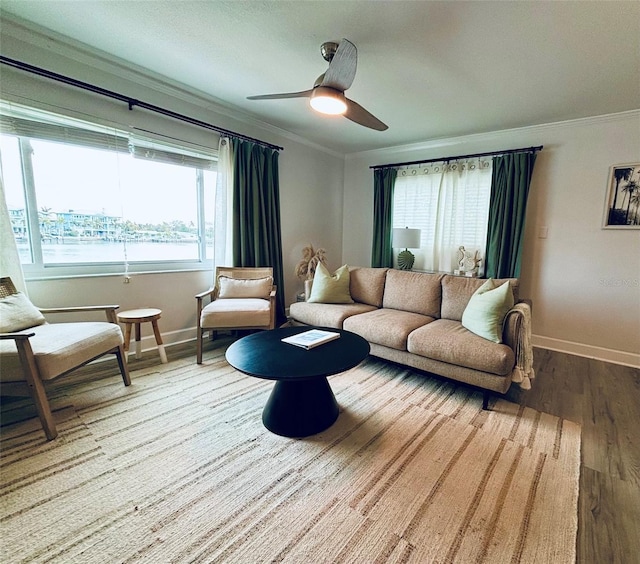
column 569, row 347
column 588, row 351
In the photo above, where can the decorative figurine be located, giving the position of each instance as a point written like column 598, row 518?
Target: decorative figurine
column 468, row 263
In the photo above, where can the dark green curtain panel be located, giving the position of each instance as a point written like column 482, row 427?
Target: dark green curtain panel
column 257, row 239
column 510, row 182
column 381, row 251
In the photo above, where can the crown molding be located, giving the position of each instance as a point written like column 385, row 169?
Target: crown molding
column 492, row 135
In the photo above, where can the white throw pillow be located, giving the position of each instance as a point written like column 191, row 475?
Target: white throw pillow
column 18, row 313
column 229, row 288
column 486, row 310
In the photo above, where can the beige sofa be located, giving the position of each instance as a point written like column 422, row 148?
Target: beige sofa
column 414, row 319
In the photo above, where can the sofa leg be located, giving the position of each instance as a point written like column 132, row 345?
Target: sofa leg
column 485, row 400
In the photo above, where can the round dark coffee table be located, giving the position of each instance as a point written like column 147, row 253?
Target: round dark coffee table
column 301, row 402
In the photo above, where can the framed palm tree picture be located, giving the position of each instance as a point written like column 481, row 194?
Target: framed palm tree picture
column 622, row 209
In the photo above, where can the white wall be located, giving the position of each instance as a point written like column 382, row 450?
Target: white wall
column 311, row 179
column 584, row 280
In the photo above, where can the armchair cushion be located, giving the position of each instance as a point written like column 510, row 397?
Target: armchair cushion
column 60, row 347
column 18, row 313
column 233, row 288
column 241, row 312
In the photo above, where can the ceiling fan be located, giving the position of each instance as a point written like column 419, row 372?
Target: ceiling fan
column 327, row 95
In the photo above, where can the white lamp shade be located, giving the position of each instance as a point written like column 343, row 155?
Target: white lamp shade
column 406, row 238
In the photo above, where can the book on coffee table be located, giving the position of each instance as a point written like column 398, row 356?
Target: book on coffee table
column 312, row 338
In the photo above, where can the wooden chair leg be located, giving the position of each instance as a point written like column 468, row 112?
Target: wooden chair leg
column 36, row 389
column 44, row 409
column 199, row 346
column 122, row 363
column 485, row 399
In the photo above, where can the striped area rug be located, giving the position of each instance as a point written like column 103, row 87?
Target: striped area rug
column 178, row 468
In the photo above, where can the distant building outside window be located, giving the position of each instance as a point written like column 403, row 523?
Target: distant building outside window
column 88, row 199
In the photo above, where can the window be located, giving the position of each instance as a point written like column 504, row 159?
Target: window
column 449, row 203
column 86, row 199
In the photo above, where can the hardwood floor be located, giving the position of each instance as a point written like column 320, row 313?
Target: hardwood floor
column 604, row 398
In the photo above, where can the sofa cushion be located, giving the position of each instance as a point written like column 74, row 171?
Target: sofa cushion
column 367, row 284
column 416, row 292
column 18, row 313
column 448, row 341
column 325, row 315
column 331, row 288
column 387, row 327
column 59, row 347
column 484, row 314
column 457, row 291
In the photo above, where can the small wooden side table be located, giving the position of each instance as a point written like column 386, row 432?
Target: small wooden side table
column 136, row 317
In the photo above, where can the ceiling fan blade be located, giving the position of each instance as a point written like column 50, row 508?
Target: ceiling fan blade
column 303, row 94
column 342, row 68
column 355, row 112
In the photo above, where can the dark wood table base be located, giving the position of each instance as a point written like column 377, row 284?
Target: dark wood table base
column 301, row 402
column 300, row 408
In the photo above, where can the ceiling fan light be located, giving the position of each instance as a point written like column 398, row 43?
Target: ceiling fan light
column 328, row 101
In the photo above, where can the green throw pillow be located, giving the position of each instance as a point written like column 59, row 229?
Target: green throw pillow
column 486, row 310
column 330, row 288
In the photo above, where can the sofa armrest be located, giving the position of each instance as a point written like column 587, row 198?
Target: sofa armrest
column 513, row 322
column 516, row 333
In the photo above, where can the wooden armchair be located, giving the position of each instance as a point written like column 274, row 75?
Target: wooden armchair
column 241, row 298
column 33, row 351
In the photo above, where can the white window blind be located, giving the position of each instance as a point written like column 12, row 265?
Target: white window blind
column 109, row 141
column 449, row 203
column 141, row 150
column 37, row 124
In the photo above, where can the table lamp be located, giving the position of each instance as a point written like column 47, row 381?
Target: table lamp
column 409, row 239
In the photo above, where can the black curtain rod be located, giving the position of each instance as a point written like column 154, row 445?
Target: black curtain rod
column 130, row 101
column 447, row 159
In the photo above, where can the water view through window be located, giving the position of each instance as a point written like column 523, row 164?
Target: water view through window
column 104, row 206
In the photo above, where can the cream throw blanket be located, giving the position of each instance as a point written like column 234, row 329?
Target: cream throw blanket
column 523, row 371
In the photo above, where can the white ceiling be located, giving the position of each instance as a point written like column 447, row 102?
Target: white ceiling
column 428, row 69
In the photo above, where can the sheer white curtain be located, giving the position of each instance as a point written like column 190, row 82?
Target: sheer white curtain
column 449, row 203
column 223, row 252
column 9, row 257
